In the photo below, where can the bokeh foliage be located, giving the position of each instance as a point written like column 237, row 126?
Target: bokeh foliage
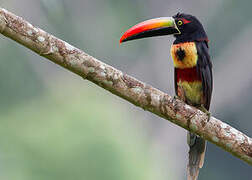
column 66, row 135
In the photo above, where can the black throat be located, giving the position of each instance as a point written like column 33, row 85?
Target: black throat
column 199, row 35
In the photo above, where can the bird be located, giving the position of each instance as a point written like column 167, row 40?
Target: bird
column 193, row 77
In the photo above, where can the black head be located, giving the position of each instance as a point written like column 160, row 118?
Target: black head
column 190, row 28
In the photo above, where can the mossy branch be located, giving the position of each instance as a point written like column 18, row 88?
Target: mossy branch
column 125, row 86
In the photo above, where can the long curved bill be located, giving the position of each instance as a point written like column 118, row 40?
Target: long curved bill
column 153, row 27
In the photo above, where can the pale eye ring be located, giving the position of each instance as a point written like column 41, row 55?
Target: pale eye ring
column 180, row 22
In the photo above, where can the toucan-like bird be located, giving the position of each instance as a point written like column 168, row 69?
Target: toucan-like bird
column 193, row 69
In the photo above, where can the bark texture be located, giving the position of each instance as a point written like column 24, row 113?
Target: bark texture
column 125, row 86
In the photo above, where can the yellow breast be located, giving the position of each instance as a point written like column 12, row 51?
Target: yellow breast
column 190, row 55
column 191, row 92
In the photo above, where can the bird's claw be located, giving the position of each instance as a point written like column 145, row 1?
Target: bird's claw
column 203, row 109
column 175, row 97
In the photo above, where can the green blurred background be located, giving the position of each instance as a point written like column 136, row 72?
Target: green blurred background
column 54, row 125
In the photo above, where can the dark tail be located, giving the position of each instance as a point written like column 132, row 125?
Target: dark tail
column 196, row 155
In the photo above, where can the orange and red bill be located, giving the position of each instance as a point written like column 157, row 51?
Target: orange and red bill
column 153, row 27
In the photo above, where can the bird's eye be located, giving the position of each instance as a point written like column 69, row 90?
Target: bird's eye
column 180, row 22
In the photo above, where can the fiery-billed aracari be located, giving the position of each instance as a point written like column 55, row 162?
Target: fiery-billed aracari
column 193, row 69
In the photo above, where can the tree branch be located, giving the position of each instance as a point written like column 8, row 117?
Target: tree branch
column 125, row 86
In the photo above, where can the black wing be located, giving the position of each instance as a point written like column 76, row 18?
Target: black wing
column 175, row 81
column 204, row 68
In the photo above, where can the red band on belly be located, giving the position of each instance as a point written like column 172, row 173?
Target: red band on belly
column 188, row 74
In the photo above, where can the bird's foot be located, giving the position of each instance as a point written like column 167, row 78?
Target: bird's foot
column 203, row 109
column 176, row 97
